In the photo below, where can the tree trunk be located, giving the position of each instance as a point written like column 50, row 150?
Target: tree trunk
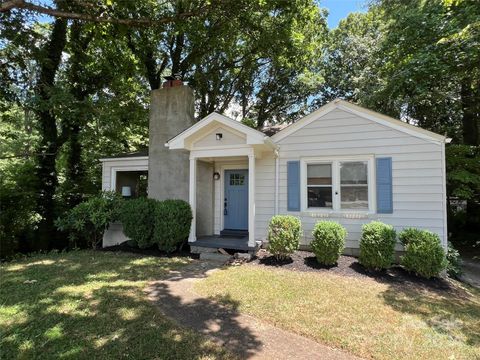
column 48, row 147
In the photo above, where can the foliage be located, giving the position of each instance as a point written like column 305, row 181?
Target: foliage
column 138, row 219
column 377, row 245
column 424, row 253
column 18, row 219
column 328, row 241
column 454, row 261
column 86, row 222
column 173, row 219
column 284, row 232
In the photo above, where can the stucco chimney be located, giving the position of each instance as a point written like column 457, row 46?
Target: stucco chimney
column 171, row 112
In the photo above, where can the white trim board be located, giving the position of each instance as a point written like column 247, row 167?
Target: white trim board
column 361, row 112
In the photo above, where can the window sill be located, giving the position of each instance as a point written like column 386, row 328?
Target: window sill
column 345, row 214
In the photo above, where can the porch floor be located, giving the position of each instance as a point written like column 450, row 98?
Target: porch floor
column 224, row 242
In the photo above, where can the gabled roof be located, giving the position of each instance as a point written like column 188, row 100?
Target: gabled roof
column 362, row 112
column 253, row 136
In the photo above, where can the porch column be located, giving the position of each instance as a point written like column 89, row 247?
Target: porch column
column 251, row 200
column 192, row 198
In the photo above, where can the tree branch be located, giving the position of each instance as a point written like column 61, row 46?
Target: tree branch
column 24, row 5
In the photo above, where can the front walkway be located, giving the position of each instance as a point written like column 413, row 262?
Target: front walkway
column 243, row 335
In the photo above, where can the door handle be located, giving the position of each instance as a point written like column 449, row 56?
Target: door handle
column 225, row 211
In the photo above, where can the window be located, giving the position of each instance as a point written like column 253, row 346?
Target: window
column 237, row 179
column 354, row 185
column 319, row 185
column 341, row 184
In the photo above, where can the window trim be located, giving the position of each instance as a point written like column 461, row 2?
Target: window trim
column 336, row 186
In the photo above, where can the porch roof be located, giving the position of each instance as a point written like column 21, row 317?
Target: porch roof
column 252, row 136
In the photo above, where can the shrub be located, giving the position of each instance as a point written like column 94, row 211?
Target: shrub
column 88, row 220
column 424, row 253
column 377, row 245
column 138, row 218
column 454, row 266
column 328, row 241
column 410, row 235
column 284, row 232
column 173, row 219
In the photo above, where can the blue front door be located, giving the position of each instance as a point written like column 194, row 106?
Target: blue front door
column 235, row 204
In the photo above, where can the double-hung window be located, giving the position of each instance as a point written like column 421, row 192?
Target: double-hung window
column 340, row 184
column 319, row 185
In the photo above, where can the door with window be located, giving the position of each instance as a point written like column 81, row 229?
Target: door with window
column 235, row 205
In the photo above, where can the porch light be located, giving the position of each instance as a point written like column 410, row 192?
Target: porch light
column 216, row 175
column 126, row 191
column 219, row 136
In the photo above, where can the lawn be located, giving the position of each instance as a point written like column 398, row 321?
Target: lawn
column 369, row 318
column 87, row 304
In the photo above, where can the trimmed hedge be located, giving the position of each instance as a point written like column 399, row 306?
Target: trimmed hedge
column 173, row 219
column 377, row 245
column 328, row 241
column 284, row 232
column 424, row 254
column 138, row 217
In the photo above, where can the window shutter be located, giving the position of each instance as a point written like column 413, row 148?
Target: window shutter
column 384, row 186
column 293, row 185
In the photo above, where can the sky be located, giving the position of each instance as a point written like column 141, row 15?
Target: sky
column 339, row 9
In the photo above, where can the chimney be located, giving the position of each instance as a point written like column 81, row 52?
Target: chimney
column 171, row 112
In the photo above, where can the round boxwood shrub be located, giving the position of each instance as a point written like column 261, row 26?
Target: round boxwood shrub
column 328, row 241
column 173, row 219
column 377, row 245
column 137, row 217
column 284, row 232
column 424, row 254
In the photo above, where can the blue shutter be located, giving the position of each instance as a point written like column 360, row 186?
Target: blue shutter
column 384, row 186
column 293, row 185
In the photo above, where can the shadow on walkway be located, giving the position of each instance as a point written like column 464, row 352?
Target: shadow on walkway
column 219, row 322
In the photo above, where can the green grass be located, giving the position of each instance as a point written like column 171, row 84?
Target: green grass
column 87, row 304
column 364, row 317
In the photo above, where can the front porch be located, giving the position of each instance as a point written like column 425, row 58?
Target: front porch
column 225, row 242
column 223, row 155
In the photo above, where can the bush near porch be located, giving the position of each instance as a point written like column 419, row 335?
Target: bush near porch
column 284, row 232
column 147, row 222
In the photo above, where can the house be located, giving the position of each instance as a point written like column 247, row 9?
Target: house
column 342, row 162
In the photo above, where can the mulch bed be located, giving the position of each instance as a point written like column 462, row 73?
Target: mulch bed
column 348, row 266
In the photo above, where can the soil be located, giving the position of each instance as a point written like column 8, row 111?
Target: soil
column 349, row 266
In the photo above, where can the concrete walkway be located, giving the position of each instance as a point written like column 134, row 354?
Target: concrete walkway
column 243, row 335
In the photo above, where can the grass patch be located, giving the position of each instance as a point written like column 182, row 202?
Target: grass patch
column 363, row 316
column 87, row 304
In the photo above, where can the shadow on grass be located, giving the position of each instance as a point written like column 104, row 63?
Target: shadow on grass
column 455, row 313
column 217, row 319
column 90, row 305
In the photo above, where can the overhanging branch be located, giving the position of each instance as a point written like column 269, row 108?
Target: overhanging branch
column 24, row 5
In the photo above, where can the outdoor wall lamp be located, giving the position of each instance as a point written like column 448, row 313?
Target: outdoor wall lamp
column 219, row 136
column 216, row 176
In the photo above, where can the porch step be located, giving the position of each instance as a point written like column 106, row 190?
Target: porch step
column 235, row 233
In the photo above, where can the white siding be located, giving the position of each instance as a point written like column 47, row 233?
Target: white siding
column 418, row 194
column 228, row 138
column 264, row 194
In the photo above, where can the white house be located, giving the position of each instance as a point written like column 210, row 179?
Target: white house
column 342, row 162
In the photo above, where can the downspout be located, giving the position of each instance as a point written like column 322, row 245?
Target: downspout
column 444, row 185
column 277, row 171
